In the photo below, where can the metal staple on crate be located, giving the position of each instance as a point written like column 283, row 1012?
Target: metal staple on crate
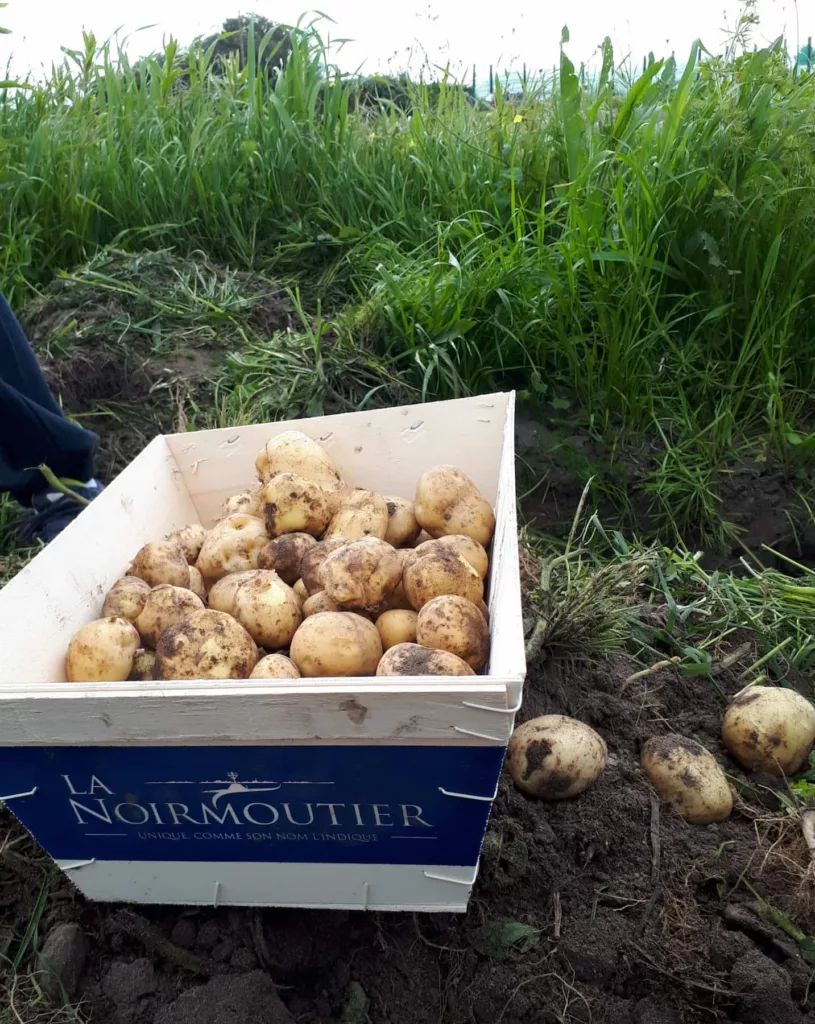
column 365, row 890
column 16, row 796
column 469, row 796
column 79, row 864
column 217, row 893
column 486, row 707
column 447, row 878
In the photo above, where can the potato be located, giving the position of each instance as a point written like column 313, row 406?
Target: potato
column 102, row 651
column 283, row 554
column 293, row 504
column 688, row 778
column 482, row 607
column 554, row 757
column 165, row 606
column 221, row 596
column 423, row 537
column 197, row 585
column 397, row 626
column 408, row 659
column 189, row 539
column 402, row 529
column 319, row 602
column 293, row 452
column 275, row 666
column 268, row 610
column 470, row 550
column 336, row 644
column 126, row 598
column 162, row 561
column 454, row 624
column 312, row 561
column 441, row 572
column 361, row 514
column 361, row 573
column 448, row 502
column 300, row 590
column 769, row 729
column 247, row 502
column 144, row 666
column 205, row 645
column 232, row 545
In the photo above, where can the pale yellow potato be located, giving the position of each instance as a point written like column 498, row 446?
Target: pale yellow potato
column 359, row 574
column 293, row 504
column 423, row 537
column 205, row 645
column 284, row 554
column 294, row 452
column 275, row 666
column 441, row 572
column 319, row 602
column 688, row 778
column 769, row 729
column 221, row 595
column 102, row 651
column 300, row 589
column 162, row 561
column 407, row 659
column 554, row 757
column 482, row 607
column 248, row 502
column 397, row 626
column 197, row 585
column 232, row 545
column 144, row 666
column 448, row 502
column 470, row 550
column 189, row 539
column 268, row 610
column 402, row 529
column 126, row 598
column 336, row 644
column 454, row 624
column 165, row 606
column 311, row 563
column 361, row 514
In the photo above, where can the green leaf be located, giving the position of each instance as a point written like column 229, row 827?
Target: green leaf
column 806, row 947
column 503, row 936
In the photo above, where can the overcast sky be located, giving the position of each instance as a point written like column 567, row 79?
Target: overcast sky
column 509, row 32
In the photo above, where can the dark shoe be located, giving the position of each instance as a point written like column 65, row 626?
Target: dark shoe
column 52, row 512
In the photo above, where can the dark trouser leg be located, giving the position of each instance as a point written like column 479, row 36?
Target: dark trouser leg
column 33, row 429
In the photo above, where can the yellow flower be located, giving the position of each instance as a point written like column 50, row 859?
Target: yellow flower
column 517, row 119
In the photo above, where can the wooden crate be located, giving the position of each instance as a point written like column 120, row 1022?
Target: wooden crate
column 337, row 793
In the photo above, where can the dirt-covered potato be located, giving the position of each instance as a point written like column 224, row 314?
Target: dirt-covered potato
column 268, row 610
column 482, row 607
column 423, row 537
column 769, row 729
column 294, row 452
column 275, row 666
column 284, row 554
column 336, row 644
column 361, row 514
column 448, row 502
column 232, row 545
column 205, row 645
column 554, row 757
column 197, row 585
column 319, row 602
column 162, row 561
column 402, row 529
column 688, row 778
column 407, row 659
column 222, row 593
column 189, row 539
column 126, row 598
column 299, row 589
column 293, row 504
column 361, row 573
column 397, row 626
column 144, row 666
column 470, row 550
column 312, row 561
column 102, row 651
column 454, row 624
column 441, row 572
column 165, row 606
column 247, row 502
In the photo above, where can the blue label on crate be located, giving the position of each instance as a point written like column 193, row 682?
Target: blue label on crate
column 370, row 805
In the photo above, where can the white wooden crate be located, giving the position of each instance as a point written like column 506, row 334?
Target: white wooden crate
column 344, row 793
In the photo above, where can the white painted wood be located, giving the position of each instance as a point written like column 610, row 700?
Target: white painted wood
column 315, row 886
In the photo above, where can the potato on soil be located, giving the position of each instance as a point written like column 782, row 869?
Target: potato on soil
column 311, row 563
column 275, row 666
column 361, row 514
column 408, row 659
column 361, row 573
column 232, row 545
column 162, row 561
column 319, row 602
column 402, row 529
column 293, row 504
column 283, row 555
column 268, row 610
column 470, row 550
column 441, row 572
column 448, row 502
column 247, row 502
column 205, row 645
column 454, row 624
column 294, row 452
column 165, row 606
column 144, row 666
column 769, row 729
column 126, row 598
column 189, row 539
column 102, row 651
column 221, row 595
column 197, row 585
column 554, row 757
column 397, row 626
column 336, row 644
column 688, row 778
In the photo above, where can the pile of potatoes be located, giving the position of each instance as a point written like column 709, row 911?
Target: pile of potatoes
column 304, row 576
